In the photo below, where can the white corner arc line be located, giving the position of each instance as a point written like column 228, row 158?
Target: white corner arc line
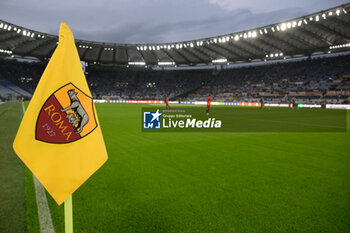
column 45, row 220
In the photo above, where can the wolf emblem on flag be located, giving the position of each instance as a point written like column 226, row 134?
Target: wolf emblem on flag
column 66, row 116
column 79, row 118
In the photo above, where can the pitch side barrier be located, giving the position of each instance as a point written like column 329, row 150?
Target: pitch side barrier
column 338, row 106
column 244, row 104
column 133, row 101
column 248, row 104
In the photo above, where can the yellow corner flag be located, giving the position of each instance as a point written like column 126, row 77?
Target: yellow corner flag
column 60, row 139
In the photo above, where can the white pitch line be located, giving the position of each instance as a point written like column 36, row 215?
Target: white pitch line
column 45, row 220
column 43, row 208
column 24, row 110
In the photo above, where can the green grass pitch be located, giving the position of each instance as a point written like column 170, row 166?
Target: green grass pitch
column 204, row 182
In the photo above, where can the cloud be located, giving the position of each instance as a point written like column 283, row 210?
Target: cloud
column 233, row 21
column 273, row 5
column 153, row 21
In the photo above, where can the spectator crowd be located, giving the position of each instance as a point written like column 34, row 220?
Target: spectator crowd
column 318, row 80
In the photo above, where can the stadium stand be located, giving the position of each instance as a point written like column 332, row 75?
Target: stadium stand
column 311, row 81
column 10, row 91
column 23, row 74
column 189, row 70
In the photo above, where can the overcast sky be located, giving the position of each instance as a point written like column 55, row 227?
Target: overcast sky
column 154, row 21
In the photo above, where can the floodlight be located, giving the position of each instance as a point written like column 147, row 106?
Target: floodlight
column 137, row 63
column 221, row 60
column 283, row 26
column 166, row 63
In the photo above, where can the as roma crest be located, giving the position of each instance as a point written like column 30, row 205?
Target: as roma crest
column 66, row 116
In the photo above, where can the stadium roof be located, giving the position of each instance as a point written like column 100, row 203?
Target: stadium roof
column 323, row 32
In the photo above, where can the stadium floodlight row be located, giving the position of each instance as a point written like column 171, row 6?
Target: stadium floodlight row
column 323, row 32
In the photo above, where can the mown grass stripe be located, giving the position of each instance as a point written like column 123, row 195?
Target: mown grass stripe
column 12, row 196
column 41, row 201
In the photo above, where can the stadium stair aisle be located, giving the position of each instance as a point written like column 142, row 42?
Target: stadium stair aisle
column 12, row 198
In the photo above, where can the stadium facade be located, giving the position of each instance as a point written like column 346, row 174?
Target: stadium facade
column 303, row 60
column 323, row 32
